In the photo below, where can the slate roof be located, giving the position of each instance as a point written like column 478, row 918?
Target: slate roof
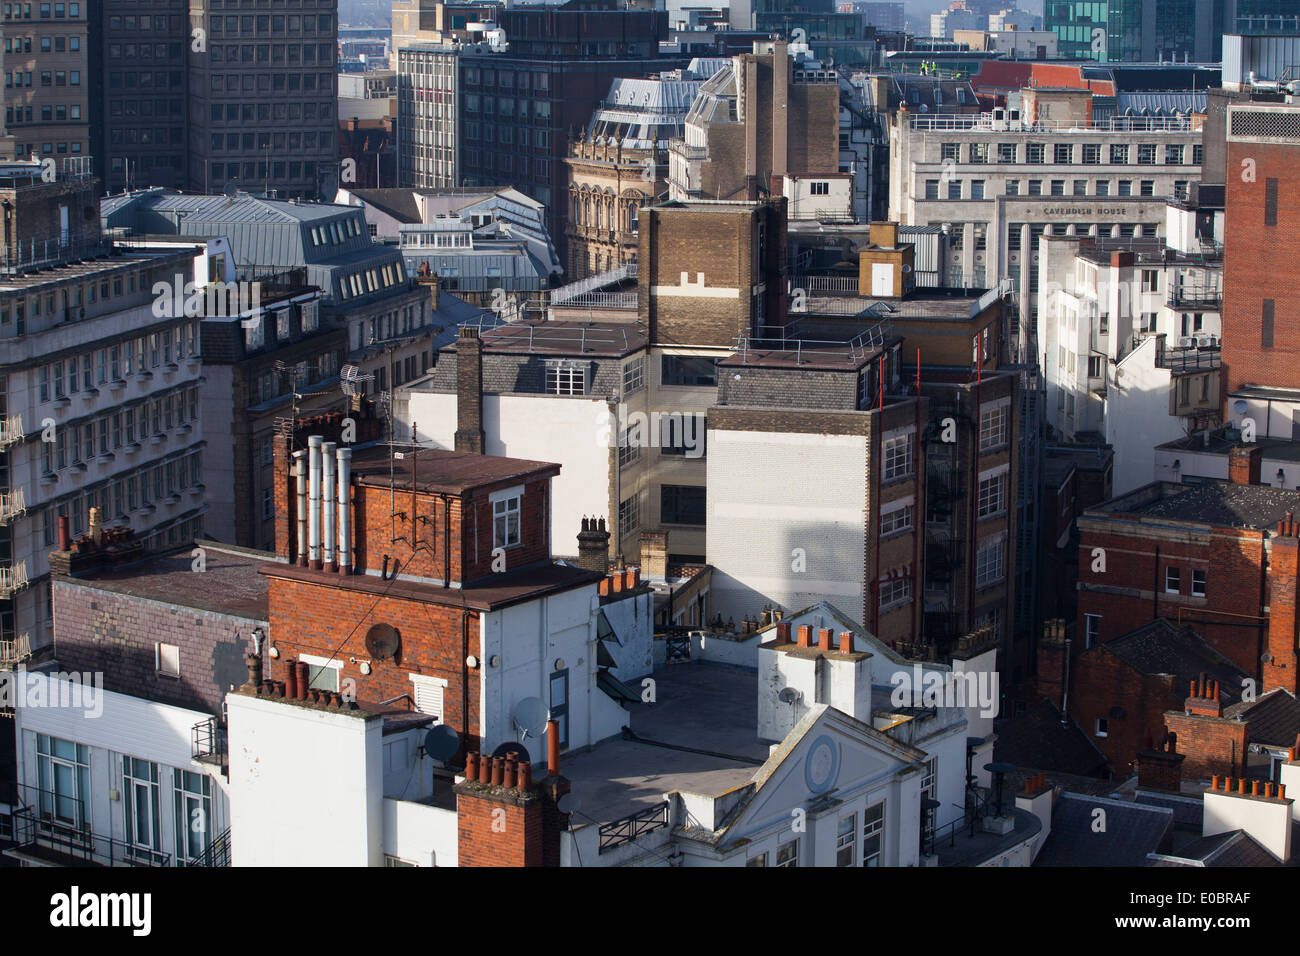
column 1037, row 740
column 1213, row 503
column 1274, row 718
column 1161, row 648
column 1188, row 811
column 1234, row 848
column 1132, row 831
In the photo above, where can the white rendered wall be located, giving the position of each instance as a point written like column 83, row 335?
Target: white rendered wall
column 306, row 785
column 780, row 501
column 1137, row 417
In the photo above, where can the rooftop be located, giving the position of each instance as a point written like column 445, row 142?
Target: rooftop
column 438, row 471
column 1274, row 718
column 104, row 262
column 700, row 735
column 1132, row 831
column 1041, row 739
column 1161, row 648
column 1218, row 504
column 229, row 583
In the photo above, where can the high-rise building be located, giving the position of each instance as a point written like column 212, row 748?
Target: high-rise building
column 1114, row 31
column 48, row 69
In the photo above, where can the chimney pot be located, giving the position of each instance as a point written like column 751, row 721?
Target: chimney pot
column 471, row 766
column 1214, row 782
column 291, row 679
column 1281, row 791
column 498, row 771
column 1241, row 785
column 485, row 768
column 552, row 748
column 525, row 775
column 511, row 772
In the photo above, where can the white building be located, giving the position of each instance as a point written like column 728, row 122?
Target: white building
column 1129, row 337
column 1049, row 166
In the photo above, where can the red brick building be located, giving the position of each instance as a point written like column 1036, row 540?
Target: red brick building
column 1212, row 555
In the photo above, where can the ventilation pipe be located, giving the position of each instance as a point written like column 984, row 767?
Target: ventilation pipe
column 345, row 510
column 300, row 471
column 327, row 512
column 313, row 508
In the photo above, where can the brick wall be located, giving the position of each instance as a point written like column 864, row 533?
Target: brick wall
column 1252, row 251
column 331, row 621
column 113, row 633
column 1131, row 590
column 1101, row 681
column 1213, row 745
column 498, row 828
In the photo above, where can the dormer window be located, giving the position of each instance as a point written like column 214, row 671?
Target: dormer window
column 505, row 517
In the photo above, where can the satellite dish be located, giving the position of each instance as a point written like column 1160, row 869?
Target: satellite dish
column 383, row 641
column 569, row 803
column 788, row 695
column 510, row 747
column 441, row 742
column 530, row 717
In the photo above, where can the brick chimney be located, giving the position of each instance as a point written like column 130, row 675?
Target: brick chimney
column 1203, row 699
column 593, row 545
column 1260, row 808
column 469, row 392
column 1243, row 464
column 1160, row 767
column 654, row 555
column 1279, row 670
column 1053, row 652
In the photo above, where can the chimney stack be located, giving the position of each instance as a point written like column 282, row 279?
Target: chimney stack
column 300, row 475
column 593, row 545
column 345, row 510
column 327, row 510
column 65, row 533
column 805, row 635
column 314, row 444
column 846, row 642
column 469, row 392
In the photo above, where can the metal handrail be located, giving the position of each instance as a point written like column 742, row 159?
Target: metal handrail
column 627, row 829
column 15, row 651
column 33, row 826
column 217, row 853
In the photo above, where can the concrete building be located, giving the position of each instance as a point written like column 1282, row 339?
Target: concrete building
column 48, row 75
column 1017, row 44
column 1000, row 180
column 137, row 773
column 101, row 385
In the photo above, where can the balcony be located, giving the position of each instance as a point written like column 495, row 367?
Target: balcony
column 208, row 743
column 52, row 828
column 13, row 653
column 1202, row 298
column 12, row 505
column 11, row 430
column 13, row 578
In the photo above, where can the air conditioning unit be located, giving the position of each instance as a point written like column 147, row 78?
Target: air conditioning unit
column 1013, row 120
column 1205, row 341
column 1186, row 342
column 999, row 119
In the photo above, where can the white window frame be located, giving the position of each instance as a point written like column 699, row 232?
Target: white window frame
column 894, row 592
column 994, row 424
column 992, row 494
column 1101, row 728
column 634, row 375
column 167, row 659
column 320, row 665
column 566, row 378
column 897, row 517
column 1174, row 574
column 846, row 839
column 508, row 498
column 873, row 828
column 1091, row 630
column 987, row 571
column 1201, row 592
column 897, row 459
column 793, row 859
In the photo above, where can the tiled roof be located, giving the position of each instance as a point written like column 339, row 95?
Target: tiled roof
column 1132, row 831
column 1038, row 740
column 1161, row 648
column 1274, row 718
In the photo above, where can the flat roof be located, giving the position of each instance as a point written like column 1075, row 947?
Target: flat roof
column 700, row 735
column 229, row 583
column 440, row 471
column 71, row 271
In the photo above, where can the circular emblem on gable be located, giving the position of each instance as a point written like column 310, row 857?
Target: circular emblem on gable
column 822, row 767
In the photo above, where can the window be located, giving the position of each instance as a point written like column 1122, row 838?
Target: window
column 322, row 672
column 559, row 704
column 1198, row 583
column 629, row 516
column 566, row 378
column 977, row 189
column 1062, row 154
column 950, row 152
column 993, row 426
column 1006, row 152
column 63, row 780
column 1034, row 152
column 1173, row 580
column 1270, row 202
column 1091, row 154
column 193, row 809
column 1103, row 189
column 1101, row 727
column 992, row 495
column 787, row 854
column 505, row 522
column 1119, row 154
column 846, row 840
column 896, row 521
column 1198, row 154
column 873, row 829
column 1173, row 155
column 1146, row 154
column 988, row 563
column 688, row 370
column 682, row 434
column 893, row 593
column 979, row 152
column 1091, row 630
column 760, row 860
column 1013, row 187
column 1266, row 325
column 819, row 189
column 1035, row 187
column 140, row 803
column 1147, row 187
column 167, row 659
column 682, row 504
column 954, row 188
column 898, row 458
column 1125, row 187
column 932, row 189
column 1058, row 187
column 1081, row 189
column 634, row 376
